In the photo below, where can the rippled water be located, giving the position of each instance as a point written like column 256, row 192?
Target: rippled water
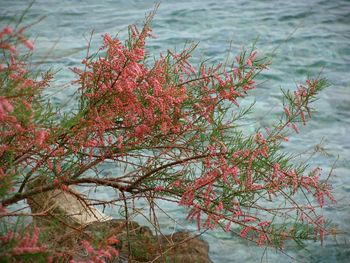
column 311, row 36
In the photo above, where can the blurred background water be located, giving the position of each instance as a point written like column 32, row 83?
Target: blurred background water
column 310, row 36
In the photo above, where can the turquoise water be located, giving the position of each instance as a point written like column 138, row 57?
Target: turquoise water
column 312, row 36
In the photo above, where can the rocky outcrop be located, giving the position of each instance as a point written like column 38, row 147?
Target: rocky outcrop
column 144, row 246
column 70, row 219
column 70, row 207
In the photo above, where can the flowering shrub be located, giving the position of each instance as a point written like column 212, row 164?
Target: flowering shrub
column 16, row 246
column 173, row 127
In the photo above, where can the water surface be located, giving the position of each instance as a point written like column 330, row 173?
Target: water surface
column 311, row 36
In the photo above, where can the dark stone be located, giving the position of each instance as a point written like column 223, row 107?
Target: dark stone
column 71, row 219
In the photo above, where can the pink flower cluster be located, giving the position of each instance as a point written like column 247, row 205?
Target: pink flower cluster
column 27, row 244
column 98, row 256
